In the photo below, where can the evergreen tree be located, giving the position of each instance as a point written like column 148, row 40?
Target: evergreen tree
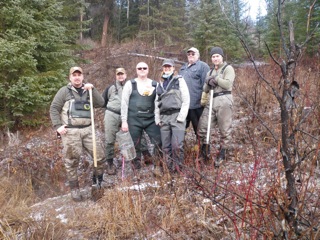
column 211, row 25
column 259, row 34
column 34, row 58
column 297, row 11
column 162, row 22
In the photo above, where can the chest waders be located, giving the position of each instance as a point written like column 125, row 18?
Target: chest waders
column 79, row 109
column 170, row 98
column 205, row 148
column 141, row 116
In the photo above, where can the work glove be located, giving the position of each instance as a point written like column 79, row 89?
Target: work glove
column 211, row 81
column 204, row 99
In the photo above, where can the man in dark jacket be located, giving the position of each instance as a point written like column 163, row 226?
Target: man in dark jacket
column 194, row 72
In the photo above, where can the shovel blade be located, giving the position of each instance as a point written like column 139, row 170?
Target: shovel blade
column 97, row 192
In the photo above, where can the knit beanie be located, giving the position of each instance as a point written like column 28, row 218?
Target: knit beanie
column 216, row 50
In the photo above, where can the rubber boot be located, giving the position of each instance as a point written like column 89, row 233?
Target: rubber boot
column 205, row 153
column 75, row 191
column 157, row 167
column 147, row 157
column 96, row 190
column 136, row 163
column 221, row 157
column 111, row 168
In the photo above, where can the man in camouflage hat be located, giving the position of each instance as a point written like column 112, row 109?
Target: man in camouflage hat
column 112, row 117
column 70, row 114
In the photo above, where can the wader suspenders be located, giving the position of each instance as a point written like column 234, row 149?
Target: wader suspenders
column 68, row 112
column 223, row 92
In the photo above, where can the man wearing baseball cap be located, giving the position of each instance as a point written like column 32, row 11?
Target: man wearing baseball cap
column 220, row 80
column 194, row 72
column 112, row 117
column 71, row 118
column 174, row 101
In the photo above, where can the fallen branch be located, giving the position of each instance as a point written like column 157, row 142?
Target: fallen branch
column 144, row 55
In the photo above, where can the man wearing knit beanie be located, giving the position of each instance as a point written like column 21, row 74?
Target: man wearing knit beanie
column 216, row 50
column 220, row 81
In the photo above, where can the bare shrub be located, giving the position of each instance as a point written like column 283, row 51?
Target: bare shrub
column 13, row 138
column 16, row 195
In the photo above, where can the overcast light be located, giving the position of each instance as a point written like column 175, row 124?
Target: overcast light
column 254, row 5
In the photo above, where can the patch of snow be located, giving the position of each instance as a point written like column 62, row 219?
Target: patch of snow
column 138, row 187
column 62, row 218
column 37, row 216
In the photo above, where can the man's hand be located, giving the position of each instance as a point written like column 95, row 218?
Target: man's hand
column 62, row 130
column 88, row 86
column 211, row 81
column 124, row 127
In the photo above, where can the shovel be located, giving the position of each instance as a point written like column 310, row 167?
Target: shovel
column 96, row 190
column 209, row 119
column 209, row 122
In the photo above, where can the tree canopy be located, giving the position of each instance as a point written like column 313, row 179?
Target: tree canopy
column 35, row 53
column 38, row 38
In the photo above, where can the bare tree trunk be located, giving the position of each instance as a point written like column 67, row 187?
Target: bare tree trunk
column 128, row 10
column 287, row 143
column 81, row 19
column 104, row 31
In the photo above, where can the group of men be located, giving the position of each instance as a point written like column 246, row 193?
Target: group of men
column 163, row 110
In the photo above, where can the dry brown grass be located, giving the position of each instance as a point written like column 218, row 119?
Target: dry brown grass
column 243, row 199
column 16, row 196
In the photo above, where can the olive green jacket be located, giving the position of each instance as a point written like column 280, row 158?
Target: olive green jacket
column 60, row 106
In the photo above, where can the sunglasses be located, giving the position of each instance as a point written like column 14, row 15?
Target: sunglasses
column 191, row 54
column 142, row 68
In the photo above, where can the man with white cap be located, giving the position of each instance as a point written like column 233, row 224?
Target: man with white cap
column 194, row 72
column 220, row 80
column 174, row 101
column 112, row 117
column 70, row 114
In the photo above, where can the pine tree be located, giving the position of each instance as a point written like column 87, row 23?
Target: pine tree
column 162, row 22
column 210, row 25
column 34, row 58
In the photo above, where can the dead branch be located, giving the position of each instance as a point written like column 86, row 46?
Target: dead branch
column 309, row 14
column 144, row 55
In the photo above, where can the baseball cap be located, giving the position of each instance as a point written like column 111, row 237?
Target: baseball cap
column 193, row 49
column 75, row 69
column 120, row 70
column 168, row 62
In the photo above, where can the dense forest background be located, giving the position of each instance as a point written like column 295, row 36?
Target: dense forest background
column 40, row 40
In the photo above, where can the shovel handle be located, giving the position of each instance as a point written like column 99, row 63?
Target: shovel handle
column 209, row 117
column 93, row 130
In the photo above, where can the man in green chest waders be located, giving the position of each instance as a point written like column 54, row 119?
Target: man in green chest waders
column 70, row 114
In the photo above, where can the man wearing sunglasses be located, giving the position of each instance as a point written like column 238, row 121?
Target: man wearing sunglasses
column 194, row 72
column 138, row 111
